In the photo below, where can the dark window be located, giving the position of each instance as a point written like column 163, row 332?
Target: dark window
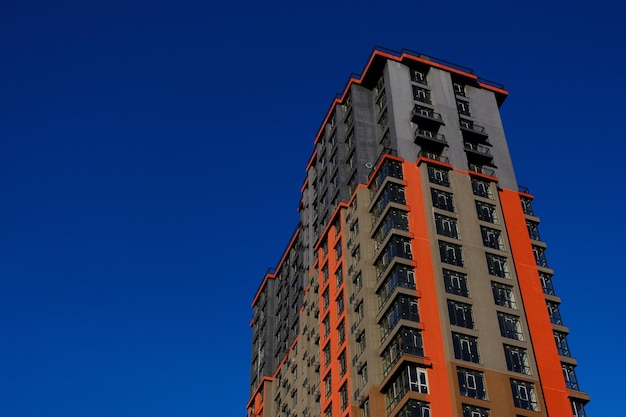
column 460, row 314
column 503, row 295
column 497, row 266
column 473, row 411
column 463, row 107
column 540, row 256
column 524, row 395
column 438, row 176
column 554, row 313
column 465, row 347
column 472, row 383
column 486, row 212
column 533, row 230
column 492, row 238
column 527, row 206
column 442, row 199
column 510, row 326
column 569, row 374
column 451, row 253
column 447, row 226
column 455, row 282
column 481, row 188
column 546, row 283
column 516, row 359
column 561, row 344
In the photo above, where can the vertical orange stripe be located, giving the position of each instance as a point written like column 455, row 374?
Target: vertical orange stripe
column 440, row 396
column 541, row 334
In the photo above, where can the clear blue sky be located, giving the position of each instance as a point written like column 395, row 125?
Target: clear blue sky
column 152, row 155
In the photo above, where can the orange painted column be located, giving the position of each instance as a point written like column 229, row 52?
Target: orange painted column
column 440, row 394
column 548, row 362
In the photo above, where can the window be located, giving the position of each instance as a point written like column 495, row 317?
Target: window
column 578, row 409
column 486, row 212
column 540, row 256
column 404, row 307
column 463, row 107
column 360, row 340
column 326, row 352
column 364, row 375
column 455, row 282
column 471, row 383
column 516, row 359
column 492, row 238
column 554, row 313
column 339, row 275
column 406, row 342
column 399, row 276
column 338, row 250
column 473, row 411
column 446, row 226
column 343, row 397
column 325, row 273
column 415, row 408
column 459, row 89
column 418, row 76
column 533, row 230
column 340, row 304
column 381, row 103
column 482, row 188
column 561, row 344
column 510, row 326
column 524, row 395
column 438, row 176
column 442, row 199
column 497, row 266
column 503, row 295
column 569, row 374
column 342, row 363
column 326, row 324
column 460, row 314
column 451, row 253
column 358, row 282
column 527, row 206
column 360, row 312
column 546, row 283
column 325, row 299
column 341, row 333
column 465, row 347
column 328, row 384
column 421, row 94
column 412, row 378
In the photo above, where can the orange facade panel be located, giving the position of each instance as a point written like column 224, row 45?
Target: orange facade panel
column 540, row 327
column 439, row 398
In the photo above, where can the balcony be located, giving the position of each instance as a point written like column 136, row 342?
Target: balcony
column 473, row 131
column 435, row 156
column 426, row 116
column 482, row 170
column 425, row 137
column 478, row 151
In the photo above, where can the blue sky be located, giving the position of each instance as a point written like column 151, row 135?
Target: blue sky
column 152, row 155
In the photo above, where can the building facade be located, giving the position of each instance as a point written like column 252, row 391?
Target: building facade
column 416, row 283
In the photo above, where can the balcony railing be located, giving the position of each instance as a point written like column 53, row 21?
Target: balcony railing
column 433, row 155
column 426, row 115
column 473, row 130
column 478, row 149
column 427, row 136
column 482, row 170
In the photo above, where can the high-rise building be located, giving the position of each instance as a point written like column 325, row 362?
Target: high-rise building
column 416, row 283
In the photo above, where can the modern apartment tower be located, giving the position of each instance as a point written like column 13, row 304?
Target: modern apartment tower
column 416, row 283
